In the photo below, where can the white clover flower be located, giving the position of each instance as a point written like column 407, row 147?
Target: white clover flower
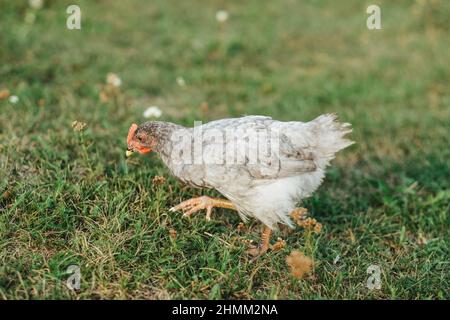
column 36, row 4
column 152, row 112
column 181, row 82
column 13, row 99
column 113, row 79
column 221, row 15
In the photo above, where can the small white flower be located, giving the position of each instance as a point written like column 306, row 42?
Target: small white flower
column 113, row 79
column 152, row 112
column 181, row 82
column 36, row 4
column 221, row 15
column 13, row 99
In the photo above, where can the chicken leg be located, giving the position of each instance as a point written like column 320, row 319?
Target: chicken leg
column 257, row 251
column 196, row 204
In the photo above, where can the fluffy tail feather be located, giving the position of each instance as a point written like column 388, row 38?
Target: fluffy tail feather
column 330, row 137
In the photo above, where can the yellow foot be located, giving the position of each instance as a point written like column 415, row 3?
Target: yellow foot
column 201, row 203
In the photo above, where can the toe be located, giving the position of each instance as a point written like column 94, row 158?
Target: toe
column 208, row 213
column 185, row 205
column 193, row 210
column 253, row 251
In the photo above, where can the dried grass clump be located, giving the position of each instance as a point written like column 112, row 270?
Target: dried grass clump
column 4, row 94
column 158, row 180
column 299, row 215
column 280, row 244
column 78, row 126
column 241, row 227
column 173, row 233
column 299, row 264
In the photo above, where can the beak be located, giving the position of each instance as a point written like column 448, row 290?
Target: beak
column 131, row 132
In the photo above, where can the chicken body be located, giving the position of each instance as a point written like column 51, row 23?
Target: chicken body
column 263, row 166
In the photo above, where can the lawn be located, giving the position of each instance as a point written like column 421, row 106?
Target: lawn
column 70, row 197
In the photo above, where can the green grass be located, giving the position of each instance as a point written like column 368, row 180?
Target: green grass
column 72, row 198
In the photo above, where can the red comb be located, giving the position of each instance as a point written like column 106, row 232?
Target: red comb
column 131, row 132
